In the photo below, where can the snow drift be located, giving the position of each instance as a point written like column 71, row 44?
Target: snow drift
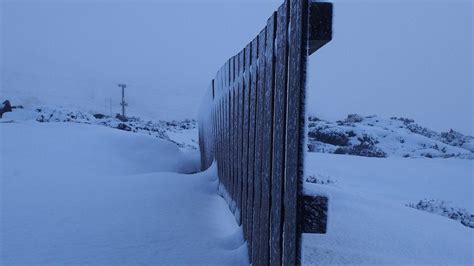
column 75, row 193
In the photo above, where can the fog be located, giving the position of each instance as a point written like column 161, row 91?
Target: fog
column 391, row 58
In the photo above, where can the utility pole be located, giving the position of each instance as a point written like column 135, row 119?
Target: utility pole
column 123, row 103
column 110, row 107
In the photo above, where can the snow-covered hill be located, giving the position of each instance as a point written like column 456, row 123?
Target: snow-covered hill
column 373, row 136
column 183, row 133
column 370, row 136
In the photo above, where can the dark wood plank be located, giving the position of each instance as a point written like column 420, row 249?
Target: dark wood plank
column 235, row 143
column 225, row 133
column 236, row 138
column 221, row 136
column 229, row 127
column 267, row 140
column 243, row 132
column 245, row 139
column 278, row 158
column 221, row 127
column 238, row 128
column 313, row 211
column 252, row 127
column 294, row 121
column 230, row 81
column 320, row 25
column 226, row 119
column 258, row 147
column 218, row 126
column 212, row 128
column 232, row 141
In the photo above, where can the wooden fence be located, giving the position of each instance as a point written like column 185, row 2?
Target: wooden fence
column 252, row 124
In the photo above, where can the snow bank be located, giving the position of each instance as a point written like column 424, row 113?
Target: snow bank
column 369, row 222
column 86, row 194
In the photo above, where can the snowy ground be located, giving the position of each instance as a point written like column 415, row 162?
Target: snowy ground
column 369, row 222
column 86, row 194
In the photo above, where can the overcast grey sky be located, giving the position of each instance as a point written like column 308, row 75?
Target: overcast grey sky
column 392, row 58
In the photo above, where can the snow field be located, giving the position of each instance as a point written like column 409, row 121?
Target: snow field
column 85, row 194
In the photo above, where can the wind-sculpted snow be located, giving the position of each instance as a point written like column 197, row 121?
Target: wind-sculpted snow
column 373, row 136
column 181, row 133
column 369, row 222
column 85, row 194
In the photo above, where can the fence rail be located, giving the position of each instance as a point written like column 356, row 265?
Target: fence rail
column 252, row 124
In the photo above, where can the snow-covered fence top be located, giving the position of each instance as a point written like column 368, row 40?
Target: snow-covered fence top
column 252, row 124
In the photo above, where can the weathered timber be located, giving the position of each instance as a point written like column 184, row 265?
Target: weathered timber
column 253, row 128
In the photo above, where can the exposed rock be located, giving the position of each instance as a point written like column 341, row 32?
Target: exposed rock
column 99, row 116
column 122, row 126
column 5, row 107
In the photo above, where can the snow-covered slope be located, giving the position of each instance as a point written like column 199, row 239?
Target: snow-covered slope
column 370, row 219
column 83, row 194
column 374, row 136
column 183, row 133
column 362, row 136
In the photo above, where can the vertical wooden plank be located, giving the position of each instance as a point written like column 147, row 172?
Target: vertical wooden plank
column 226, row 132
column 221, row 138
column 236, row 137
column 201, row 148
column 211, row 132
column 225, row 121
column 240, row 133
column 226, row 137
column 227, row 124
column 230, row 189
column 217, row 101
column 236, row 134
column 234, row 131
column 267, row 140
column 221, row 129
column 252, row 126
column 294, row 139
column 245, row 140
column 212, row 127
column 281, row 68
column 215, row 133
column 218, row 126
column 221, row 134
column 258, row 147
